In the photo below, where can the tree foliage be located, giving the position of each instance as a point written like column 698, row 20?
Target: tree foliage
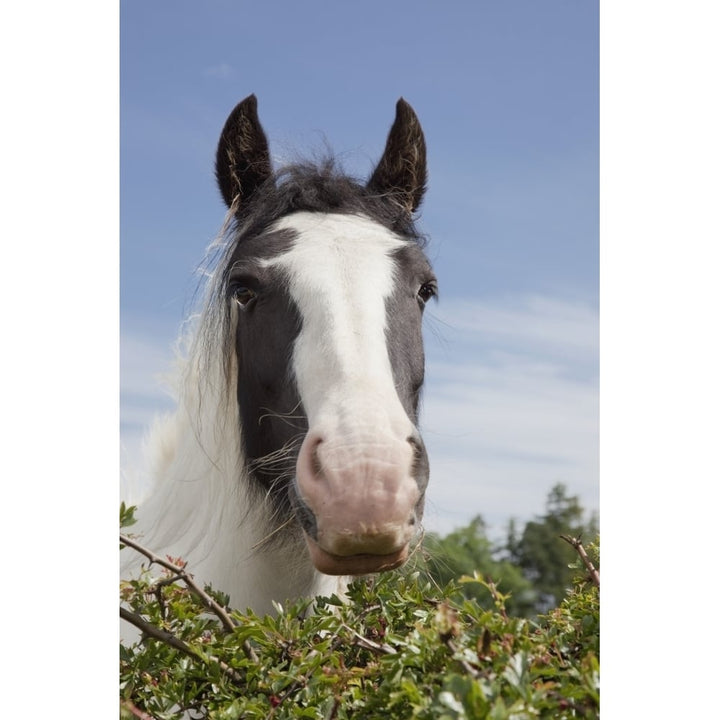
column 545, row 561
column 399, row 646
column 468, row 550
column 533, row 568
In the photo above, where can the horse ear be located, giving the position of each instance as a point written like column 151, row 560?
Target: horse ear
column 242, row 162
column 401, row 173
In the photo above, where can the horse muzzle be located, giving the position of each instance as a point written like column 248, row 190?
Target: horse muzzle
column 359, row 501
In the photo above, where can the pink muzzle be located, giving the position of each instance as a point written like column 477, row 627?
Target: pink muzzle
column 364, row 498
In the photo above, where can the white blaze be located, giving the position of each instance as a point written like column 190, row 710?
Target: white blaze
column 340, row 273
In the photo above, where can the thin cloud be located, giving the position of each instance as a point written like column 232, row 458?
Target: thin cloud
column 562, row 331
column 220, row 71
column 511, row 408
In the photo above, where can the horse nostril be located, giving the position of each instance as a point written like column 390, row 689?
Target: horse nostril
column 416, row 445
column 303, row 513
column 420, row 469
column 316, row 465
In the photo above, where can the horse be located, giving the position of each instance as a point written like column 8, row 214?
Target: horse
column 293, row 461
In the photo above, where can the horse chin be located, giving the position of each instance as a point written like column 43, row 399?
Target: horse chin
column 364, row 564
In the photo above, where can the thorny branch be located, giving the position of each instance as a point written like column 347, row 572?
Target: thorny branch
column 180, row 574
column 169, row 639
column 209, row 603
column 576, row 543
column 369, row 644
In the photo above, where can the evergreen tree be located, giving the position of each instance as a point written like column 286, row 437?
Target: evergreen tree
column 541, row 553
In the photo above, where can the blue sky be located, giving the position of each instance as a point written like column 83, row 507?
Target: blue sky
column 508, row 97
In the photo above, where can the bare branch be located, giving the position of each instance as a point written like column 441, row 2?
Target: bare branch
column 180, row 574
column 228, row 623
column 369, row 644
column 577, row 544
column 169, row 639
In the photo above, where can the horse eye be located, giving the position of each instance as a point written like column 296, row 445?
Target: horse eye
column 243, row 296
column 426, row 292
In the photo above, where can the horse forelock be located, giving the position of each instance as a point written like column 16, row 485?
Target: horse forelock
column 321, row 187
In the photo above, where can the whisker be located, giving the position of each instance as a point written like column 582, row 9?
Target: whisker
column 285, row 417
column 279, row 456
column 271, row 534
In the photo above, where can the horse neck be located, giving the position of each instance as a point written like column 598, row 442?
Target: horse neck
column 201, row 509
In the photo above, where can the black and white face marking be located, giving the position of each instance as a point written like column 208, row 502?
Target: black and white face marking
column 332, row 324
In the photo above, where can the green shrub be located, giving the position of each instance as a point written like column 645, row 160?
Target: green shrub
column 396, row 647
